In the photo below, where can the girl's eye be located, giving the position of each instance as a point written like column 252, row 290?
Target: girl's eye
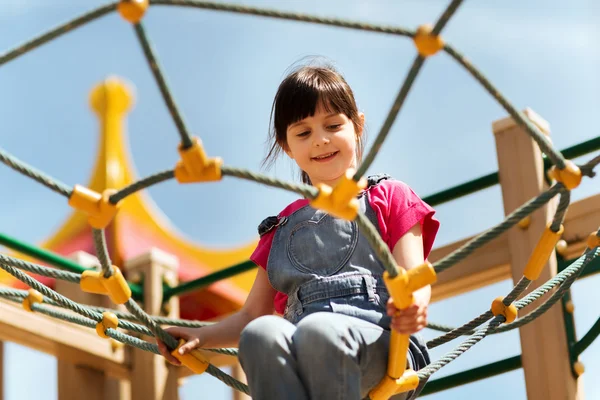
column 336, row 126
column 302, row 134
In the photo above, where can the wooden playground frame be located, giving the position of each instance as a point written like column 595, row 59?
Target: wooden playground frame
column 94, row 368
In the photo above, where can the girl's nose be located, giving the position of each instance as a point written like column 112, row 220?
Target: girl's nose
column 320, row 139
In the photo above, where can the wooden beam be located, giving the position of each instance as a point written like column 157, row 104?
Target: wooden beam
column 491, row 263
column 153, row 378
column 544, row 346
column 60, row 339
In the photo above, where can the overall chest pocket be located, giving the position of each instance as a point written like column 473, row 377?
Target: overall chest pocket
column 322, row 245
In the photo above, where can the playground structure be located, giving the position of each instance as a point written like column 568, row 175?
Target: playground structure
column 531, row 173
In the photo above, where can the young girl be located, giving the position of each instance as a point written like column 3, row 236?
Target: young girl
column 319, row 272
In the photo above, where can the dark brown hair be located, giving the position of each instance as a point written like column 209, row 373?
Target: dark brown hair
column 297, row 98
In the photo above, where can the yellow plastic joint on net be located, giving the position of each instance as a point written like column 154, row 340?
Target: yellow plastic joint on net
column 99, row 209
column 115, row 287
column 542, row 253
column 499, row 308
column 390, row 386
column 570, row 176
column 402, row 286
column 426, row 43
column 340, row 201
column 194, row 360
column 132, row 10
column 195, row 166
column 593, row 240
column 109, row 320
column 33, row 297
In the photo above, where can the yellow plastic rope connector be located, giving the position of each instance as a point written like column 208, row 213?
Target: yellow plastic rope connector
column 109, row 320
column 194, row 166
column 100, row 211
column 570, row 176
column 542, row 252
column 426, row 43
column 340, row 201
column 115, row 287
column 194, row 360
column 33, row 297
column 399, row 379
column 525, row 222
column 499, row 308
column 593, row 240
column 579, row 368
column 132, row 10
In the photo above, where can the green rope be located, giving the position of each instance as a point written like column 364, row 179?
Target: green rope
column 141, row 184
column 34, row 174
column 186, row 141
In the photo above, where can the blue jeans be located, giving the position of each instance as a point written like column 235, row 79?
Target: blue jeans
column 325, row 356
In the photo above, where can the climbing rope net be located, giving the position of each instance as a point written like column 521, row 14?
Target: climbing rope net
column 195, row 166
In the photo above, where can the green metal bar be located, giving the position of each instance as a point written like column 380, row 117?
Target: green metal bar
column 208, row 279
column 592, row 268
column 54, row 259
column 492, row 179
column 570, row 331
column 587, row 339
column 472, row 375
column 462, row 190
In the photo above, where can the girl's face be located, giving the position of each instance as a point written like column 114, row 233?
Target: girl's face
column 323, row 146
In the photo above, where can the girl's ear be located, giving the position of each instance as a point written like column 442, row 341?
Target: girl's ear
column 287, row 150
column 362, row 124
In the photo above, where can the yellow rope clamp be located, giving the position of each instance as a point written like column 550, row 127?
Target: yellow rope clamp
column 100, row 211
column 109, row 320
column 194, row 166
column 115, row 287
column 132, row 10
column 399, row 379
column 570, row 176
column 593, row 240
column 499, row 308
column 194, row 360
column 340, row 201
column 426, row 43
column 33, row 297
column 542, row 252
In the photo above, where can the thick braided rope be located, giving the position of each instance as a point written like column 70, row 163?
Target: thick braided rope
column 34, row 174
column 58, row 298
column 377, row 244
column 561, row 210
column 466, row 329
column 142, row 184
column 40, row 270
column 516, row 291
column 56, row 32
column 102, row 252
column 514, row 217
column 307, row 191
column 426, row 372
column 565, row 279
column 186, row 140
column 402, row 95
column 228, row 380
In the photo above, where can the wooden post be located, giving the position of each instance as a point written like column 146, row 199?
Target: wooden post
column 1, row 370
column 80, row 381
column 543, row 342
column 238, row 373
column 152, row 377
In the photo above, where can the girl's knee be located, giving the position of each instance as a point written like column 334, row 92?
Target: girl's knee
column 263, row 334
column 318, row 331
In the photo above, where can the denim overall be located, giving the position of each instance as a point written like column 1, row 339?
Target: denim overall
column 336, row 312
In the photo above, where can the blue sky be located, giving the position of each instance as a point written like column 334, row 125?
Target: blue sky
column 224, row 69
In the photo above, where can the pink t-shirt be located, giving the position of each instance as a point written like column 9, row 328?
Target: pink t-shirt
column 398, row 209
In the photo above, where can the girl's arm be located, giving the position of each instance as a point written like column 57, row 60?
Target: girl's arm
column 408, row 253
column 226, row 333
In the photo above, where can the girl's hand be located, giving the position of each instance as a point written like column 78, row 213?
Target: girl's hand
column 410, row 320
column 193, row 339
